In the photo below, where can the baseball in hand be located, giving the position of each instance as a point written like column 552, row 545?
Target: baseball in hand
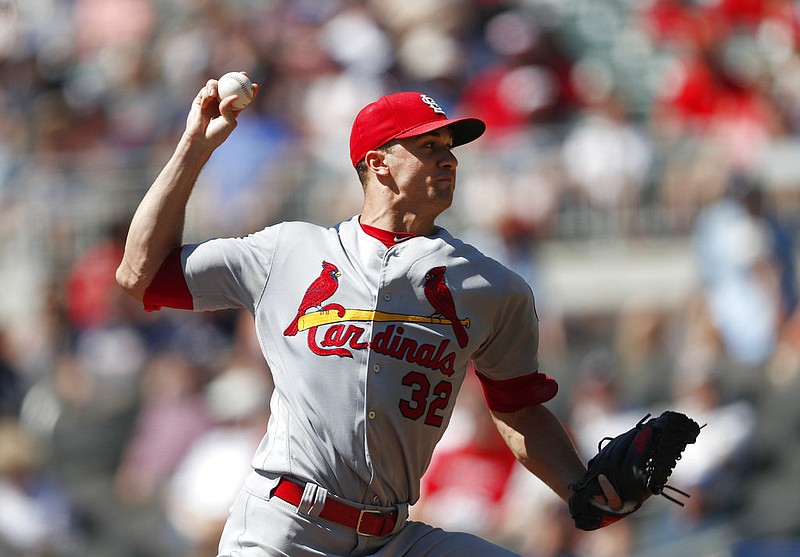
column 236, row 83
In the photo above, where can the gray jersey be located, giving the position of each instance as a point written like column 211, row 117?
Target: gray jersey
column 368, row 346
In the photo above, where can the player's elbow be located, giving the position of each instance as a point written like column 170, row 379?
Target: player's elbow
column 130, row 281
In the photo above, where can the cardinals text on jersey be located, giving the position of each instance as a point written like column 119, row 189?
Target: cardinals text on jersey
column 344, row 334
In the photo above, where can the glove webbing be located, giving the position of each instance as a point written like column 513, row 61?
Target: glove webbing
column 673, row 445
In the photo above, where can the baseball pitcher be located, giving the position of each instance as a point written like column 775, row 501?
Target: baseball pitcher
column 368, row 328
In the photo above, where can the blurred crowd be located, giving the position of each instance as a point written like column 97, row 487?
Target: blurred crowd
column 611, row 124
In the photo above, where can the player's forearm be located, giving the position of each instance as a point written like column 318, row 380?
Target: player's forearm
column 540, row 442
column 157, row 226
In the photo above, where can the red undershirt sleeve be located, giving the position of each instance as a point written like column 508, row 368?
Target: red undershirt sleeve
column 510, row 395
column 169, row 288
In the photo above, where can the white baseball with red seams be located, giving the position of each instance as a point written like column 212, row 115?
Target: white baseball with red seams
column 236, row 83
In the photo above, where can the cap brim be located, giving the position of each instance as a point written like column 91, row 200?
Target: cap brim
column 464, row 129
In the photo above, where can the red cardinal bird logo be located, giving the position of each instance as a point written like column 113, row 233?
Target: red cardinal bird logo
column 439, row 296
column 320, row 290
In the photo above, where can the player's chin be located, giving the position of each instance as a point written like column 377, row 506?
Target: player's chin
column 444, row 187
column 443, row 195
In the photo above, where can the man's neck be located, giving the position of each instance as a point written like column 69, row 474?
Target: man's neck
column 401, row 223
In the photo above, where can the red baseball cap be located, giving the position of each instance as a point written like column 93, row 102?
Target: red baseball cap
column 405, row 115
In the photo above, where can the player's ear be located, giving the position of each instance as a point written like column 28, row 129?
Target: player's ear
column 376, row 162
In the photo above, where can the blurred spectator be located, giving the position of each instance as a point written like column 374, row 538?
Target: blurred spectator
column 739, row 277
column 38, row 517
column 83, row 420
column 208, row 478
column 605, row 157
column 171, row 393
column 643, row 339
column 90, row 284
column 780, row 238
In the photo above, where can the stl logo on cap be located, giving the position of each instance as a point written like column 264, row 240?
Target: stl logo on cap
column 432, row 103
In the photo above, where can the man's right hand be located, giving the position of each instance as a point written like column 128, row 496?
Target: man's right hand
column 210, row 120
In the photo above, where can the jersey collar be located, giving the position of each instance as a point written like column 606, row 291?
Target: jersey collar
column 386, row 237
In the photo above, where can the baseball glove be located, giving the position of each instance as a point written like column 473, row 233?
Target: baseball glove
column 637, row 463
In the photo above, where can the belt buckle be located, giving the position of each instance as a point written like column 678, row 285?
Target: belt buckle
column 361, row 518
